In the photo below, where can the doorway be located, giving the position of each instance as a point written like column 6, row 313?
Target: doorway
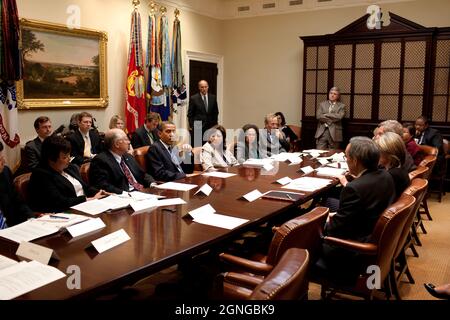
column 200, row 70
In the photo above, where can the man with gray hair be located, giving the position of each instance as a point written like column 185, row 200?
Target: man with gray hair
column 271, row 139
column 114, row 169
column 362, row 201
column 329, row 114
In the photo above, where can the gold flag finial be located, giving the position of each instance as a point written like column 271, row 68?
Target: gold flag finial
column 152, row 8
column 177, row 14
column 136, row 3
column 163, row 10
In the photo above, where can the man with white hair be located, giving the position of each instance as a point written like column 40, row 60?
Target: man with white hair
column 329, row 114
column 115, row 170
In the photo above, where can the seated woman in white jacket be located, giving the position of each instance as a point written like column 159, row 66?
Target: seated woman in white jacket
column 214, row 153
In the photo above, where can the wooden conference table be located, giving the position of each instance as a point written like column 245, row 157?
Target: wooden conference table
column 162, row 238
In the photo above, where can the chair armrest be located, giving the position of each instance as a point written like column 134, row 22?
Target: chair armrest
column 245, row 264
column 233, row 292
column 360, row 247
column 241, row 279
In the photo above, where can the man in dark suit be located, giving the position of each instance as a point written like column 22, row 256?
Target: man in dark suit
column 202, row 107
column 165, row 161
column 12, row 208
column 115, row 170
column 43, row 127
column 272, row 139
column 85, row 142
column 362, row 201
column 148, row 133
column 431, row 137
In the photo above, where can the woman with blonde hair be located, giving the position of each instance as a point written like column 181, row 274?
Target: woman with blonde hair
column 392, row 158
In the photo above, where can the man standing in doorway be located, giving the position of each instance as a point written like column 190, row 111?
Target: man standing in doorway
column 202, row 107
column 330, row 114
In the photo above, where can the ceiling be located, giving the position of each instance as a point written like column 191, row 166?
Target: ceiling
column 234, row 9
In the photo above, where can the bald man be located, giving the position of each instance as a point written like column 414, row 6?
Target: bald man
column 203, row 107
column 115, row 170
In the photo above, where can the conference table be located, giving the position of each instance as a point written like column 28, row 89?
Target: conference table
column 164, row 237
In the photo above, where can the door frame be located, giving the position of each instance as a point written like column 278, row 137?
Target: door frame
column 206, row 57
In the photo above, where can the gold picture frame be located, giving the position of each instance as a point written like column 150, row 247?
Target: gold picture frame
column 63, row 67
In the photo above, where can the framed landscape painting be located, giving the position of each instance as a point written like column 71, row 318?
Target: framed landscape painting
column 63, row 68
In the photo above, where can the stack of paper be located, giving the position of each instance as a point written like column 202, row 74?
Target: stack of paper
column 218, row 174
column 206, row 215
column 41, row 227
column 308, row 184
column 329, row 172
column 20, row 278
column 176, row 186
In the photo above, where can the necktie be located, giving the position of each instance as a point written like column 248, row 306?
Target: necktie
column 421, row 138
column 175, row 159
column 2, row 221
column 130, row 178
column 87, row 147
column 206, row 103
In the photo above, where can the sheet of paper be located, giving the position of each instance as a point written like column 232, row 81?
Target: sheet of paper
column 283, row 156
column 28, row 231
column 86, row 227
column 176, row 186
column 338, row 157
column 92, row 207
column 115, row 202
column 218, row 174
column 205, row 189
column 110, row 241
column 138, row 196
column 268, row 166
column 323, row 161
column 252, row 196
column 307, row 169
column 144, row 205
column 205, row 210
column 284, row 181
column 32, row 251
column 25, row 277
column 257, row 162
column 60, row 220
column 6, row 262
column 314, row 151
column 294, row 161
column 169, row 202
column 329, row 172
column 220, row 221
column 308, row 184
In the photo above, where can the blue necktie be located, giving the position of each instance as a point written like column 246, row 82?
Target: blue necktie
column 2, row 221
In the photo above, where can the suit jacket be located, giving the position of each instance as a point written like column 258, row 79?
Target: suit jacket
column 161, row 166
column 211, row 158
column 270, row 144
column 14, row 209
column 140, row 137
column 331, row 119
column 49, row 191
column 77, row 142
column 105, row 173
column 197, row 111
column 33, row 153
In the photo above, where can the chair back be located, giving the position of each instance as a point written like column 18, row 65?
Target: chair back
column 417, row 189
column 288, row 280
column 295, row 145
column 421, row 172
column 21, row 186
column 429, row 161
column 428, row 150
column 445, row 147
column 140, row 156
column 197, row 163
column 84, row 172
column 304, row 232
column 387, row 232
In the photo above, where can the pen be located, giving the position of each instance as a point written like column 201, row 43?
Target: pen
column 289, row 196
column 58, row 217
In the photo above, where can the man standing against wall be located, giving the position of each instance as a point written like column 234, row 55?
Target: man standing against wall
column 202, row 107
column 330, row 114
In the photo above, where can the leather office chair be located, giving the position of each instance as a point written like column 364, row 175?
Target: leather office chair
column 422, row 172
column 197, row 163
column 417, row 189
column 84, row 171
column 303, row 232
column 140, row 156
column 379, row 251
column 21, row 186
column 429, row 161
column 287, row 281
column 296, row 145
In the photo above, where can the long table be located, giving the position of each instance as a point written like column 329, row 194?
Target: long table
column 162, row 238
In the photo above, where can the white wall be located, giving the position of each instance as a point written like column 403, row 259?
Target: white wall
column 264, row 56
column 199, row 33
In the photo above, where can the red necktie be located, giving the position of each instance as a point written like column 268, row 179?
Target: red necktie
column 130, row 179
